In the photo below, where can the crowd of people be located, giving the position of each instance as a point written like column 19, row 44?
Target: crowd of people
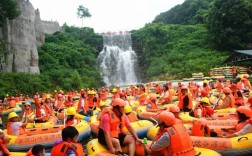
column 116, row 113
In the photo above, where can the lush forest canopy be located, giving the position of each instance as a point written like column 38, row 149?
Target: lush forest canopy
column 192, row 37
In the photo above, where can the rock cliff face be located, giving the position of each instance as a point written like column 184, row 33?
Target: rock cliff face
column 24, row 34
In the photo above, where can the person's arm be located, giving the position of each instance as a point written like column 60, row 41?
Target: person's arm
column 106, row 129
column 161, row 143
column 131, row 130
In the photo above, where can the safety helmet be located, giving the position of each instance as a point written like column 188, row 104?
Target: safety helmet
column 127, row 109
column 184, row 88
column 205, row 100
column 203, row 93
column 28, row 104
column 102, row 103
column 167, row 117
column 239, row 102
column 250, row 100
column 114, row 90
column 122, row 94
column 244, row 110
column 48, row 96
column 226, row 90
column 12, row 115
column 205, row 81
column 55, row 91
column 71, row 111
column 233, row 86
column 118, row 102
column 174, row 109
column 202, row 121
column 37, row 101
column 211, row 80
column 7, row 95
column 152, row 98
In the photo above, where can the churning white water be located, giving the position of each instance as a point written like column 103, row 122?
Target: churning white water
column 117, row 60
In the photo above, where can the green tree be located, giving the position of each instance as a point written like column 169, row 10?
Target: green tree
column 8, row 10
column 83, row 12
column 230, row 23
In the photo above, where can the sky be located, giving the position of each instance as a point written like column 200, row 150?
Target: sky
column 107, row 15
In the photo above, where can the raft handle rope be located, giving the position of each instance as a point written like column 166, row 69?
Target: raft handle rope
column 198, row 154
column 242, row 138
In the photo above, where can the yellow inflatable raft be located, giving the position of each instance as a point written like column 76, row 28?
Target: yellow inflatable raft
column 5, row 112
column 25, row 142
column 94, row 148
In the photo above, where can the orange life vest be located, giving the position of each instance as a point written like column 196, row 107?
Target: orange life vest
column 219, row 86
column 62, row 148
column 10, row 131
column 27, row 112
column 232, row 100
column 198, row 129
column 38, row 113
column 142, row 98
column 247, row 83
column 3, row 148
column 180, row 142
column 12, row 104
column 70, row 122
column 240, row 125
column 239, row 85
column 114, row 123
column 29, row 153
column 181, row 101
column 48, row 109
column 132, row 117
column 90, row 102
column 59, row 104
column 203, row 110
column 85, row 104
column 69, row 103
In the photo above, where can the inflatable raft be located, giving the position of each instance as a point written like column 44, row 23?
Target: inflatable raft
column 141, row 127
column 5, row 112
column 50, row 123
column 94, row 148
column 44, row 136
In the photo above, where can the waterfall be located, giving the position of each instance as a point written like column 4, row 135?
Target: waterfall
column 117, row 60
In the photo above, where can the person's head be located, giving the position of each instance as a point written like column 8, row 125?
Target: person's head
column 184, row 90
column 203, row 93
column 226, row 90
column 70, row 134
column 38, row 150
column 166, row 119
column 239, row 103
column 204, row 101
column 220, row 79
column 13, row 117
column 70, row 112
column 123, row 95
column 175, row 110
column 27, row 105
column 118, row 106
column 165, row 87
column 244, row 113
column 233, row 87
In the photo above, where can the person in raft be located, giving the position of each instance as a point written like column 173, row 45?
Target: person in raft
column 3, row 141
column 71, row 119
column 185, row 102
column 14, row 127
column 109, row 134
column 68, row 146
column 172, row 138
column 244, row 125
column 36, row 150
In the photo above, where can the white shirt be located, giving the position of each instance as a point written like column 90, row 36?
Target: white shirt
column 15, row 128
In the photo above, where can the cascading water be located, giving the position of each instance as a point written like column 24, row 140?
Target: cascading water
column 117, row 60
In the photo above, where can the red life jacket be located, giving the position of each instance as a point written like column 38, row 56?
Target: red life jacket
column 198, row 129
column 115, row 122
column 3, row 148
column 38, row 113
column 181, row 101
column 240, row 125
column 62, row 148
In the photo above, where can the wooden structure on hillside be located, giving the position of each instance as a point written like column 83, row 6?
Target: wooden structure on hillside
column 239, row 56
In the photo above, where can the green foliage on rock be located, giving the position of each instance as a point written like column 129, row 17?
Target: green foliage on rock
column 8, row 10
column 175, row 50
